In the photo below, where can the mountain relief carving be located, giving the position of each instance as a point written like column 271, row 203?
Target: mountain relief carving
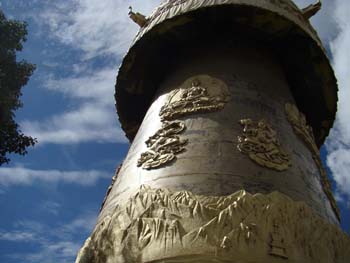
column 158, row 225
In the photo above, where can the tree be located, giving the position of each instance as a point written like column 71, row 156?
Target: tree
column 13, row 76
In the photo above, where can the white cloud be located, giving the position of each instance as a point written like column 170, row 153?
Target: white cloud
column 24, row 176
column 324, row 21
column 338, row 143
column 63, row 252
column 96, row 27
column 54, row 243
column 29, row 226
column 89, row 122
column 339, row 162
column 100, row 28
column 93, row 119
column 333, row 25
column 16, row 236
column 85, row 223
column 97, row 85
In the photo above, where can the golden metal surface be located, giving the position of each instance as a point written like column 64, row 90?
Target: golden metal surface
column 304, row 132
column 280, row 22
column 109, row 189
column 259, row 141
column 158, row 225
column 163, row 146
column 278, row 248
column 162, row 226
column 197, row 94
column 172, row 8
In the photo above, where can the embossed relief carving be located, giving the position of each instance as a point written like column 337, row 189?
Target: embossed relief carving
column 157, row 224
column 198, row 94
column 278, row 247
column 259, row 141
column 163, row 146
column 305, row 133
column 300, row 127
column 289, row 7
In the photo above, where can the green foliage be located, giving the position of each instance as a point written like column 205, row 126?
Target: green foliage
column 13, row 76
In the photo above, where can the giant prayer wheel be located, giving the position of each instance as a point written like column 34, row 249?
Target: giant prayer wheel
column 225, row 104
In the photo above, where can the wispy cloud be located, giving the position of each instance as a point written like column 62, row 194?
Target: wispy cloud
column 84, row 224
column 94, row 85
column 17, row 236
column 50, row 207
column 96, row 27
column 93, row 118
column 55, row 243
column 324, row 21
column 100, row 33
column 24, row 176
column 63, row 252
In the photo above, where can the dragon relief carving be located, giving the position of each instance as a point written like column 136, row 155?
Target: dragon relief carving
column 304, row 132
column 259, row 141
column 163, row 146
column 158, row 225
column 198, row 94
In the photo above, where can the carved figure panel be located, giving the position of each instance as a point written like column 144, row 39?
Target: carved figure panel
column 163, row 146
column 197, row 94
column 158, row 225
column 304, row 132
column 259, row 141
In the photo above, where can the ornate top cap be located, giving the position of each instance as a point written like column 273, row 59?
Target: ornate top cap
column 278, row 23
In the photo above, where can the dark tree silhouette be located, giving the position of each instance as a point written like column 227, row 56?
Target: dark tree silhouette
column 13, row 76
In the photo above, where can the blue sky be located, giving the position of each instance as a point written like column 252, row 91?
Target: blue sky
column 50, row 198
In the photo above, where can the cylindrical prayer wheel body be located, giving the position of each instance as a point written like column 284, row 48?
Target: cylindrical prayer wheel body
column 226, row 103
column 211, row 163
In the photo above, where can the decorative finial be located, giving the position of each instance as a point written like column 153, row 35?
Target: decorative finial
column 311, row 10
column 138, row 18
